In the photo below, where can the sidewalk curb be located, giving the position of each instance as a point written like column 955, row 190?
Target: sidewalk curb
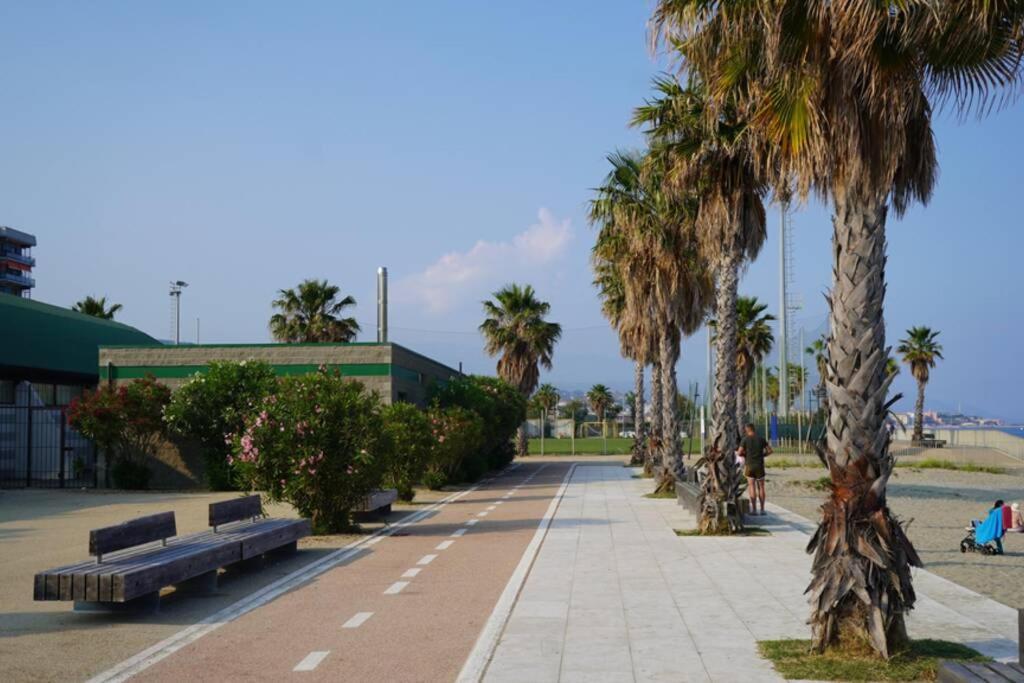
column 480, row 656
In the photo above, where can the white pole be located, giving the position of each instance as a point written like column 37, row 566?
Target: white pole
column 197, row 331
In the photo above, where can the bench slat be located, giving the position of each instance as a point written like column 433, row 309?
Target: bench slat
column 131, row 533
column 235, row 509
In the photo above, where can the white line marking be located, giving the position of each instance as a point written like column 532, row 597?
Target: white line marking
column 411, row 573
column 492, row 507
column 358, row 620
column 444, row 545
column 375, row 539
column 472, row 522
column 427, row 559
column 499, row 502
column 482, row 514
column 396, row 587
column 311, row 661
column 168, row 646
column 459, row 532
column 476, row 664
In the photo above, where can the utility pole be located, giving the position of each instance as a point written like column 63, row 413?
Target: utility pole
column 783, row 305
column 175, row 292
column 197, row 331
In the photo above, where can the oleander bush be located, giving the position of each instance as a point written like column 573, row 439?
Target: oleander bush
column 458, row 436
column 126, row 423
column 409, row 446
column 318, row 443
column 213, row 406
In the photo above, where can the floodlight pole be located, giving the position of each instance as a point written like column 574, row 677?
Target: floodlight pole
column 175, row 292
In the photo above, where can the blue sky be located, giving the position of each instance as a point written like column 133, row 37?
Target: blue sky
column 243, row 147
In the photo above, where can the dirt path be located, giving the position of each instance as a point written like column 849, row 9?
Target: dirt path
column 409, row 608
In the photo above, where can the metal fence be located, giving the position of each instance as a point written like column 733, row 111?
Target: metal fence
column 39, row 449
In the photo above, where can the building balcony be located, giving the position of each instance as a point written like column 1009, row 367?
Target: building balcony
column 15, row 278
column 17, row 257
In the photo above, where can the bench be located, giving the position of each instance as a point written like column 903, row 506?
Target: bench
column 688, row 495
column 375, row 503
column 987, row 672
column 928, row 440
column 136, row 559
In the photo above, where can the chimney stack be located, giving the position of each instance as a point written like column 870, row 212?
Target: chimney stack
column 382, row 305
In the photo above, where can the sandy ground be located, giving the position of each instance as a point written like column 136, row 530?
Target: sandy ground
column 40, row 529
column 937, row 504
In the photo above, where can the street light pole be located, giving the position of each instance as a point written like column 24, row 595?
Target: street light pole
column 175, row 292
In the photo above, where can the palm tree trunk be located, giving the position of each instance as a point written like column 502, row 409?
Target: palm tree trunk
column 741, row 405
column 861, row 584
column 722, row 487
column 919, row 414
column 671, row 461
column 638, row 414
column 654, row 436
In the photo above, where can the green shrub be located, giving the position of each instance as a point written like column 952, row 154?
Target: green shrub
column 458, row 435
column 501, row 408
column 317, row 444
column 409, row 446
column 213, row 406
column 126, row 423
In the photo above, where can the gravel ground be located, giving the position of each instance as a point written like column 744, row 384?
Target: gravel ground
column 938, row 504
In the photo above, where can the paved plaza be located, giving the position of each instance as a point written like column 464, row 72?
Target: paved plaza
column 615, row 595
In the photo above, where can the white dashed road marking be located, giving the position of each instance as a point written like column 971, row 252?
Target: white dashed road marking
column 311, row 661
column 427, row 559
column 459, row 532
column 491, row 507
column 357, row 620
column 410, row 573
column 472, row 522
column 396, row 587
column 482, row 514
column 444, row 545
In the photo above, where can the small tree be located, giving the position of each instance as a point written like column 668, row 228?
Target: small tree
column 126, row 423
column 315, row 443
column 213, row 406
column 410, row 446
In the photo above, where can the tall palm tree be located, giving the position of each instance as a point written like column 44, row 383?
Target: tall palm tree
column 548, row 397
column 648, row 235
column 920, row 350
column 843, row 94
column 892, row 367
column 600, row 399
column 97, row 308
column 707, row 158
column 309, row 313
column 818, row 350
column 516, row 329
column 754, row 340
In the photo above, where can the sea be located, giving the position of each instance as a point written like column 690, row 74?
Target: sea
column 1012, row 430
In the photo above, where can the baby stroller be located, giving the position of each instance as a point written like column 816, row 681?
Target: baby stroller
column 970, row 545
column 984, row 537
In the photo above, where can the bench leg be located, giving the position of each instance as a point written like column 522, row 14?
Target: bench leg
column 142, row 605
column 204, row 584
column 286, row 549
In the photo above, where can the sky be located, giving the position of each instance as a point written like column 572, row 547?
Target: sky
column 244, row 147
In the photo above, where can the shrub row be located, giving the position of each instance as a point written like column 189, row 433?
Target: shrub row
column 317, row 441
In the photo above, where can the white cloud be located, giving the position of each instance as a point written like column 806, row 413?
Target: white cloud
column 469, row 274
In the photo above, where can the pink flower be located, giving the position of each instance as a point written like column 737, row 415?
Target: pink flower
column 312, row 471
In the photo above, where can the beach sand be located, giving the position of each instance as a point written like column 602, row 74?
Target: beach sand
column 937, row 504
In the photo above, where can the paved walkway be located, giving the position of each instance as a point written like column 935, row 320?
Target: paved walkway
column 615, row 595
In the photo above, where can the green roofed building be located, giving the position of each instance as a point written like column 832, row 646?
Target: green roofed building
column 48, row 355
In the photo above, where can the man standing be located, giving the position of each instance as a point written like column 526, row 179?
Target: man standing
column 754, row 450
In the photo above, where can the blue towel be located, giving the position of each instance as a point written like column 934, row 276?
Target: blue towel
column 991, row 528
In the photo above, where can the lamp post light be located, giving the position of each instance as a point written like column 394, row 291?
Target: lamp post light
column 175, row 292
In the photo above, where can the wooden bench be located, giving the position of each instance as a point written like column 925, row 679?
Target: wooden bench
column 987, row 672
column 688, row 495
column 928, row 440
column 376, row 503
column 136, row 559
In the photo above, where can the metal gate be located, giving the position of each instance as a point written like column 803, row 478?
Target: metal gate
column 38, row 448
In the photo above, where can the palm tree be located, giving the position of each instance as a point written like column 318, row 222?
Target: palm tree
column 818, row 350
column 920, row 351
column 516, row 329
column 753, row 342
column 309, row 313
column 843, row 94
column 600, row 399
column 574, row 410
column 706, row 158
column 97, row 308
column 547, row 398
column 892, row 367
column 648, row 235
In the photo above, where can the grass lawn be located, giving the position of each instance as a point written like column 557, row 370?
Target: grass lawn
column 937, row 464
column 793, row 660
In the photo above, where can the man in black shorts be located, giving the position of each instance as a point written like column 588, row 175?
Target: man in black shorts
column 754, row 450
